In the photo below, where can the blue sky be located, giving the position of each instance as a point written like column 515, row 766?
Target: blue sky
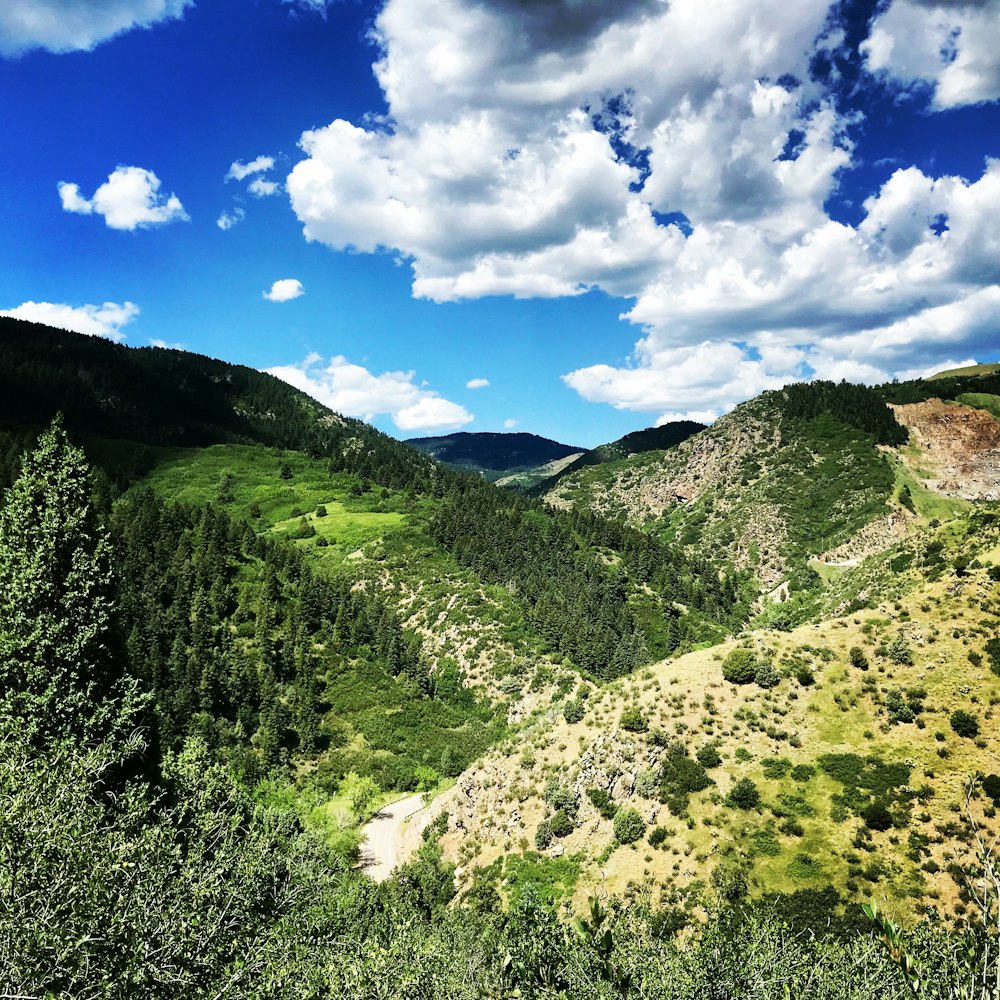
column 616, row 215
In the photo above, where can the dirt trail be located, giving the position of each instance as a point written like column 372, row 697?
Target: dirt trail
column 380, row 850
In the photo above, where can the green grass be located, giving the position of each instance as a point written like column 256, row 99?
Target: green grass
column 927, row 503
column 981, row 401
column 990, row 369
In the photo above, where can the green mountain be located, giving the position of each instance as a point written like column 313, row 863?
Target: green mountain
column 515, row 459
column 637, row 442
column 233, row 624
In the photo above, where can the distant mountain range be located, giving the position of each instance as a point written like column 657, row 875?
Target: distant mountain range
column 534, row 463
column 515, row 460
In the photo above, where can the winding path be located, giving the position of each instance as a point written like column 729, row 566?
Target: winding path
column 380, row 850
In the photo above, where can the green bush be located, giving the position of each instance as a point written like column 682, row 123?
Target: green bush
column 744, row 795
column 657, row 836
column 766, row 676
column 573, row 710
column 740, row 666
column 560, row 824
column 629, row 826
column 964, row 723
column 708, row 755
column 602, row 802
column 877, row 817
column 543, row 835
column 633, row 720
column 858, row 658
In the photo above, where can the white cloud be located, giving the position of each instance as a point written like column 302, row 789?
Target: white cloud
column 701, row 416
column 129, row 199
column 510, row 423
column 95, row 321
column 71, row 25
column 229, row 219
column 954, row 48
column 284, row 290
column 240, row 170
column 431, row 413
column 354, row 391
column 538, row 149
column 477, row 383
column 157, row 342
column 261, row 188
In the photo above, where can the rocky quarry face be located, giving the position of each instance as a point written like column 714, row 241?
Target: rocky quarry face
column 959, row 448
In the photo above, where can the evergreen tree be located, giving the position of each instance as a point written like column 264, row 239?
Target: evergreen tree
column 59, row 656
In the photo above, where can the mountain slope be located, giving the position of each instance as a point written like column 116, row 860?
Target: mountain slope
column 781, row 480
column 852, row 752
column 516, row 459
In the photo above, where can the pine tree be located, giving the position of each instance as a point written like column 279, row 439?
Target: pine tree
column 59, row 656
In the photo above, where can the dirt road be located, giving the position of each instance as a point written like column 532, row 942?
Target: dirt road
column 380, row 849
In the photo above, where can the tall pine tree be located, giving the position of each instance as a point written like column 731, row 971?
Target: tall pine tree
column 60, row 666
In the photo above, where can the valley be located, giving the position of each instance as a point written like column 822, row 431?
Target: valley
column 709, row 679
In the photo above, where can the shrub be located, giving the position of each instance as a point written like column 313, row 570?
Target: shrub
column 776, row 767
column 964, row 723
column 744, row 795
column 633, row 720
column 602, row 802
column 657, row 836
column 560, row 797
column 877, row 817
column 629, row 826
column 560, row 824
column 708, row 755
column 740, row 666
column 543, row 835
column 647, row 784
column 730, row 879
column 766, row 676
column 899, row 651
column 992, row 649
column 991, row 786
column 573, row 711
column 321, row 511
column 858, row 658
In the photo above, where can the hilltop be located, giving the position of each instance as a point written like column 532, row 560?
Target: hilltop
column 510, row 459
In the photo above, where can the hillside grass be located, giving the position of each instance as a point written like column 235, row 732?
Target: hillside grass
column 988, row 369
column 843, row 711
column 982, row 400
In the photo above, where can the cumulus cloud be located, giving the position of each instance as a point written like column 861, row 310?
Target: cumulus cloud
column 947, row 46
column 240, row 171
column 95, row 321
column 510, row 423
column 541, row 150
column 229, row 219
column 129, row 199
column 477, row 383
column 261, row 188
column 72, row 25
column 354, row 391
column 284, row 290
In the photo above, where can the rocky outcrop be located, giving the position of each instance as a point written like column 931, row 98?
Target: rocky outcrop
column 959, row 448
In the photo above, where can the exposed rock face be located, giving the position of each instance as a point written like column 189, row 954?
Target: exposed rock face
column 959, row 448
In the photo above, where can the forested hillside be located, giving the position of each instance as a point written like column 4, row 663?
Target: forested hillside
column 168, row 867
column 223, row 646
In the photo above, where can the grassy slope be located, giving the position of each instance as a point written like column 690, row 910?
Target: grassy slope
column 378, row 537
column 943, row 621
column 990, row 369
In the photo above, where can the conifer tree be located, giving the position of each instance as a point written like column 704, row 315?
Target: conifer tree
column 58, row 661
